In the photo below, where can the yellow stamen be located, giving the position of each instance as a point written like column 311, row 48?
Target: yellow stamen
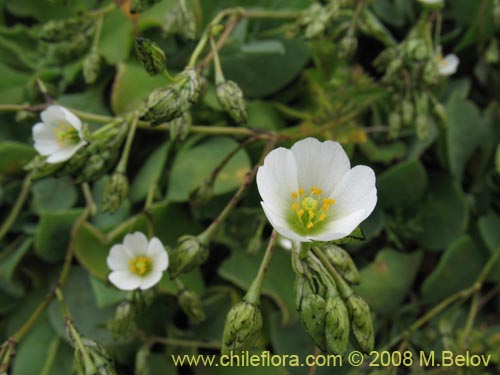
column 310, row 225
column 301, row 191
column 295, row 195
column 295, row 206
column 313, row 205
column 311, row 214
column 140, row 265
column 321, row 217
column 300, row 213
column 316, row 191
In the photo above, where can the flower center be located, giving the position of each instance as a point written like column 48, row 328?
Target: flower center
column 140, row 265
column 308, row 210
column 66, row 134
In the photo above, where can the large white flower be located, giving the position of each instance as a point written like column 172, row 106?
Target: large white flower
column 59, row 135
column 137, row 263
column 447, row 65
column 310, row 192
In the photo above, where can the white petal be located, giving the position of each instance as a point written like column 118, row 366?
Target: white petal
column 118, row 258
column 280, row 224
column 448, row 65
column 125, row 280
column 155, row 247
column 319, row 164
column 137, row 243
column 55, row 113
column 158, row 254
column 349, row 194
column 47, row 147
column 151, row 279
column 340, row 228
column 277, row 179
column 65, row 153
column 43, row 132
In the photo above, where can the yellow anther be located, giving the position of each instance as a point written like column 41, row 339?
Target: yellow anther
column 140, row 265
column 301, row 191
column 316, row 191
column 311, row 214
column 310, row 225
column 295, row 206
column 295, row 195
column 300, row 213
column 321, row 217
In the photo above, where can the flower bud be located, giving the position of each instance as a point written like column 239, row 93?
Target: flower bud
column 188, row 254
column 440, row 112
column 242, row 327
column 394, row 124
column 343, row 262
column 202, row 194
column 191, row 86
column 141, row 361
column 40, row 169
column 150, row 55
column 407, row 111
column 348, row 46
column 56, row 31
column 163, row 105
column 231, row 99
column 361, row 323
column 139, row 6
column 336, row 325
column 312, row 314
column 431, row 73
column 423, row 128
column 180, row 127
column 191, row 305
column 492, row 54
column 91, row 67
column 92, row 170
column 115, row 191
column 186, row 26
column 124, row 320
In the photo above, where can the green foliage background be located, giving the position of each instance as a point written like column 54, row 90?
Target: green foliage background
column 435, row 226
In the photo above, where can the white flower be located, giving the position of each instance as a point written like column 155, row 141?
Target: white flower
column 447, row 65
column 59, row 135
column 137, row 263
column 310, row 192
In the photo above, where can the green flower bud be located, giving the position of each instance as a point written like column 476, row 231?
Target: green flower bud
column 343, row 262
column 407, row 111
column 440, row 112
column 242, row 327
column 115, row 191
column 423, row 128
column 492, row 54
column 189, row 254
column 394, row 124
column 311, row 308
column 92, row 170
column 191, row 305
column 361, row 323
column 151, row 56
column 141, row 361
column 348, row 46
column 91, row 67
column 431, row 73
column 191, row 86
column 186, row 26
column 180, row 127
column 56, row 31
column 231, row 99
column 163, row 105
column 139, row 6
column 123, row 322
column 40, row 169
column 336, row 325
column 202, row 194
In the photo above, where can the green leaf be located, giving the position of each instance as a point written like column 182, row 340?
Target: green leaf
column 45, row 10
column 458, row 268
column 131, row 87
column 386, row 281
column 264, row 46
column 8, row 265
column 262, row 115
column 81, row 303
column 53, row 233
column 106, row 294
column 12, row 85
column 193, row 166
column 443, row 214
column 54, row 194
column 240, row 268
column 149, row 173
column 262, row 74
column 489, row 225
column 13, row 157
column 402, row 184
column 383, row 154
column 42, row 352
column 116, row 37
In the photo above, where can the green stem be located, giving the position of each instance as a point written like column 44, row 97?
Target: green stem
column 97, row 33
column 89, row 200
column 14, row 212
column 122, row 164
column 253, row 293
column 219, row 75
column 51, row 355
column 342, row 286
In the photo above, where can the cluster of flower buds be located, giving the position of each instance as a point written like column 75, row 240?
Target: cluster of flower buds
column 189, row 253
column 90, row 358
column 190, row 304
column 170, row 102
column 68, row 38
column 315, row 19
column 328, row 308
column 242, row 327
column 90, row 162
column 180, row 21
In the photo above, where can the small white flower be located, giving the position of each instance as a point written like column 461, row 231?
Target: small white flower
column 59, row 135
column 447, row 65
column 310, row 192
column 137, row 263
